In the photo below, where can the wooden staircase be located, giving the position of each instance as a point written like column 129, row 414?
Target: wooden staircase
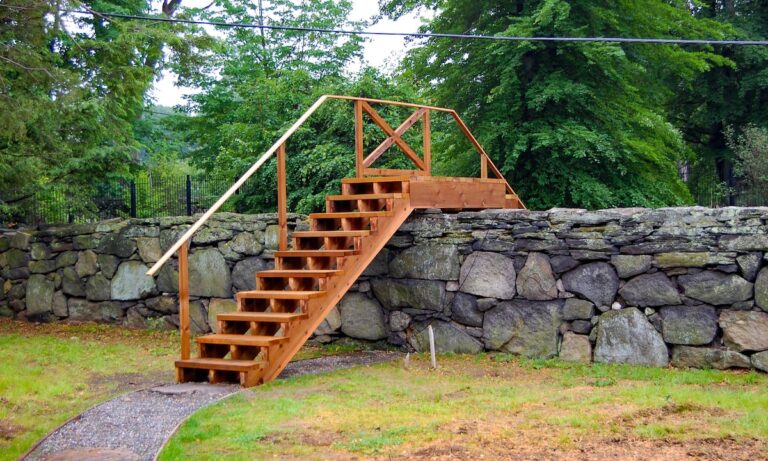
column 255, row 343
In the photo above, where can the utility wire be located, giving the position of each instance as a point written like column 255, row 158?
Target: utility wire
column 663, row 41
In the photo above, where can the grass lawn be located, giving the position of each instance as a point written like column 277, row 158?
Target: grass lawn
column 488, row 407
column 50, row 373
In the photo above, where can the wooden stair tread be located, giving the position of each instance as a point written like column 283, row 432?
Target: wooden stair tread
column 376, row 179
column 364, row 197
column 351, row 214
column 336, row 233
column 220, row 364
column 281, row 294
column 241, row 340
column 299, row 273
column 314, row 253
column 275, row 317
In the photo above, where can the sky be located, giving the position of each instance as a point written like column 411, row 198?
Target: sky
column 378, row 52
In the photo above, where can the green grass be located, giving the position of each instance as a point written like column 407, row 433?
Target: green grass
column 386, row 410
column 51, row 373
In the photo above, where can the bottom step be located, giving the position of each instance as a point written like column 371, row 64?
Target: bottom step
column 220, row 364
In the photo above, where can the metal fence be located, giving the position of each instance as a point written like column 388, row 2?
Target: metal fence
column 141, row 197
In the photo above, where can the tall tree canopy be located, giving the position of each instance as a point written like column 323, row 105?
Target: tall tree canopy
column 260, row 83
column 570, row 124
column 726, row 96
column 73, row 86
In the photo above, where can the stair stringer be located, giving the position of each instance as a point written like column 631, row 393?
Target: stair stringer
column 336, row 287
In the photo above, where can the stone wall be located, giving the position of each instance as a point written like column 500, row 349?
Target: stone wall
column 682, row 285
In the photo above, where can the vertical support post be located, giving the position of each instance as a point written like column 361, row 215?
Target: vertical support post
column 184, row 300
column 282, row 212
column 427, row 143
column 483, row 166
column 133, row 198
column 359, row 141
column 189, row 196
column 432, row 355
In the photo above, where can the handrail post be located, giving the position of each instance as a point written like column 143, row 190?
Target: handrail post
column 427, row 143
column 483, row 167
column 184, row 300
column 282, row 212
column 359, row 141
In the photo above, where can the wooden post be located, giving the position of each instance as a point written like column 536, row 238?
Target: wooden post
column 427, row 144
column 184, row 300
column 432, row 355
column 282, row 212
column 359, row 141
column 483, row 166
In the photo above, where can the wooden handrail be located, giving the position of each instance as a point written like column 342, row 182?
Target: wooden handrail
column 360, row 104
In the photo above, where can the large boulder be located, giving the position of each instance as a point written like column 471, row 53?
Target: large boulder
column 749, row 265
column 704, row 357
column 650, row 290
column 631, row 265
column 428, row 261
column 39, row 297
column 536, row 280
column 132, row 282
column 219, row 306
column 597, row 282
column 330, row 324
column 108, row 265
column 98, row 288
column 71, row 283
column 760, row 361
column 626, row 336
column 689, row 325
column 745, row 330
column 362, row 317
column 416, row 294
column 464, row 310
column 118, row 245
column 529, row 328
column 244, row 273
column 149, row 249
column 87, row 263
column 247, row 243
column 87, row 311
column 208, row 274
column 761, row 289
column 489, row 275
column 449, row 338
column 716, row 288
column 578, row 309
column 575, row 348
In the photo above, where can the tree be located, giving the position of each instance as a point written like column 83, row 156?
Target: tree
column 72, row 86
column 750, row 149
column 260, row 83
column 734, row 95
column 569, row 124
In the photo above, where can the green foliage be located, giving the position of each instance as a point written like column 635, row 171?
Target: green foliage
column 750, row 148
column 266, row 82
column 73, row 86
column 569, row 124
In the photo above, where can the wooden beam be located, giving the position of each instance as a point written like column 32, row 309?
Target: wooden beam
column 483, row 166
column 359, row 139
column 409, row 122
column 282, row 211
column 427, row 142
column 184, row 300
column 379, row 120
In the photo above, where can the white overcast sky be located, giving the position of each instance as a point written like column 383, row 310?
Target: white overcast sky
column 378, row 50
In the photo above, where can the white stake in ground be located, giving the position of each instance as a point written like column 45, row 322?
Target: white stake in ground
column 432, row 346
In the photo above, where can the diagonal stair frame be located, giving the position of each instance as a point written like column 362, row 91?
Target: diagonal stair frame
column 255, row 343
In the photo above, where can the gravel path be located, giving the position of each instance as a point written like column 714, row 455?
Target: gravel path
column 135, row 426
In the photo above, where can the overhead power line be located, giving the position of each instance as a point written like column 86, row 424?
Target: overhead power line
column 664, row 41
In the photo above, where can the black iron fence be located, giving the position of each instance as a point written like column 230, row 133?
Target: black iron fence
column 140, row 197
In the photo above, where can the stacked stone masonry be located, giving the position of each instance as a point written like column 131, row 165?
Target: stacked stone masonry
column 686, row 286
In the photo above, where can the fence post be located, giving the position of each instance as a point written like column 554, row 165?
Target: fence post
column 189, row 196
column 133, row 198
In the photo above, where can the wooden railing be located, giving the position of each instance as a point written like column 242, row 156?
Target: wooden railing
column 363, row 168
